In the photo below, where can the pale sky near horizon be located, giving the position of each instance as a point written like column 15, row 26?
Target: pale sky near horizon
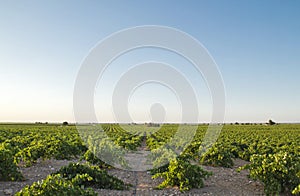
column 256, row 45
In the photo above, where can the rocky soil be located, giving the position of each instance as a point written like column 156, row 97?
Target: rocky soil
column 224, row 181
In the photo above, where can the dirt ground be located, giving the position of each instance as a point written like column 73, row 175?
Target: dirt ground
column 224, row 181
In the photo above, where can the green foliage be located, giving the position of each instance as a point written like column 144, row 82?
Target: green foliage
column 105, row 149
column 91, row 158
column 218, row 155
column 121, row 137
column 95, row 176
column 161, row 137
column 277, row 171
column 56, row 185
column 72, row 180
column 60, row 143
column 162, row 156
column 8, row 169
column 296, row 190
column 30, row 154
column 237, row 141
column 182, row 174
column 25, row 144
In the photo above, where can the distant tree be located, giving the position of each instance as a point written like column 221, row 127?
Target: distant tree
column 236, row 123
column 271, row 122
column 153, row 124
column 65, row 123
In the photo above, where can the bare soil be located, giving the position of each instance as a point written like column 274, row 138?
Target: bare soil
column 224, row 181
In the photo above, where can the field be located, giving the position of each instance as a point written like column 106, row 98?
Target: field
column 245, row 160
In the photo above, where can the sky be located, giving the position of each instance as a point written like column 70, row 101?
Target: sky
column 255, row 44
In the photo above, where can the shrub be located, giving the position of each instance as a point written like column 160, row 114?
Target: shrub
column 8, row 169
column 55, row 185
column 182, row 174
column 218, row 155
column 97, row 178
column 277, row 171
column 91, row 158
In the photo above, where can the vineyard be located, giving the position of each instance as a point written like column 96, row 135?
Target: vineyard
column 94, row 154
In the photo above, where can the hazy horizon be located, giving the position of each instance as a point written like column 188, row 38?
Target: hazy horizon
column 140, row 123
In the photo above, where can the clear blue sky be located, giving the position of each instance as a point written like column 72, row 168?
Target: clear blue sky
column 256, row 45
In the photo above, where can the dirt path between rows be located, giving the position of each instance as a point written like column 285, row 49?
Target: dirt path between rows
column 224, row 181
